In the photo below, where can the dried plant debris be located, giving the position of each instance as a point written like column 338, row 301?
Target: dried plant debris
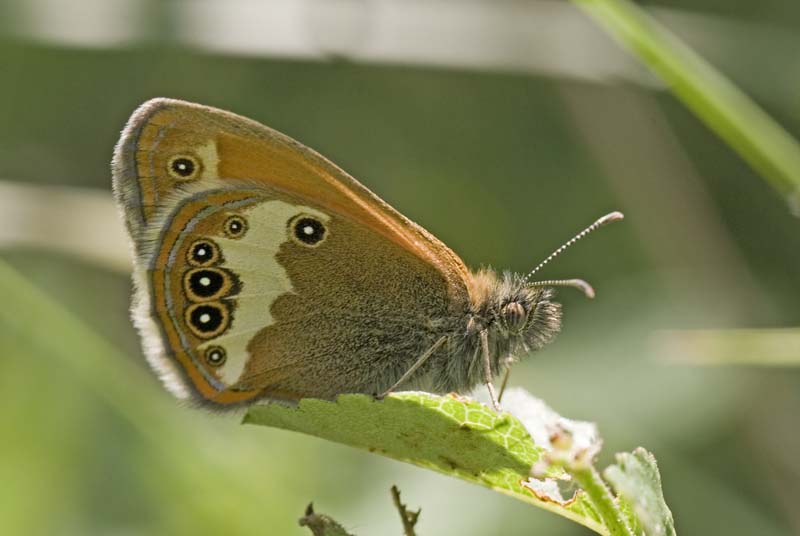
column 320, row 524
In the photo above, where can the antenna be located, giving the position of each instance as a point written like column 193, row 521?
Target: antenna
column 580, row 284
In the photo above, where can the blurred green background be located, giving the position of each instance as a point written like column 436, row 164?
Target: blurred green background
column 503, row 128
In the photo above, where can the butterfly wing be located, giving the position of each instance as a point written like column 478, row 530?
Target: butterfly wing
column 263, row 270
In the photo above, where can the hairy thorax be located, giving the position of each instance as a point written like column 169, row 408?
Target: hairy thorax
column 514, row 317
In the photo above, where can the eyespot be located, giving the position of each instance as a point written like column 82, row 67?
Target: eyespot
column 215, row 356
column 203, row 252
column 235, row 226
column 205, row 284
column 184, row 167
column 307, row 230
column 207, row 320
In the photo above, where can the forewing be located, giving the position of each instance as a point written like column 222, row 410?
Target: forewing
column 266, row 315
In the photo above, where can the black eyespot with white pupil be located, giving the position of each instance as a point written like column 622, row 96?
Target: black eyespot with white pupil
column 203, row 253
column 235, row 227
column 215, row 356
column 206, row 318
column 206, row 283
column 183, row 167
column 309, row 230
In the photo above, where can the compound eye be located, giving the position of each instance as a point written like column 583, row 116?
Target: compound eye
column 514, row 316
column 307, row 230
column 184, row 167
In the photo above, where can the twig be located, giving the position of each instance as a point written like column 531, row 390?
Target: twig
column 409, row 518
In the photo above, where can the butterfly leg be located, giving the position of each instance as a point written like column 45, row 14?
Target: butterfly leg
column 421, row 361
column 487, row 369
column 503, row 384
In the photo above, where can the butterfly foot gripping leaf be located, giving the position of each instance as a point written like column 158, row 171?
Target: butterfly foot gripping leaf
column 263, row 271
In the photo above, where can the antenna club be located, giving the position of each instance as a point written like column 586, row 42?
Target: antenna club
column 579, row 284
column 611, row 217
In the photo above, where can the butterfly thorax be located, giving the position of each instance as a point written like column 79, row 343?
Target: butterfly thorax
column 517, row 319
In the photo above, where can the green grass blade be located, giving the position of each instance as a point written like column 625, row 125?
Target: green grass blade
column 779, row 347
column 75, row 352
column 56, row 332
column 760, row 140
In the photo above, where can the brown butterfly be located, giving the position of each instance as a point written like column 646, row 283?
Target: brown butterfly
column 263, row 271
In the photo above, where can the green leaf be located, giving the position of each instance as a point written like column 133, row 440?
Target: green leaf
column 449, row 434
column 761, row 141
column 627, row 511
column 637, row 482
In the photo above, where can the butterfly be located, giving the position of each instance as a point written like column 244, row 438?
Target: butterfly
column 262, row 271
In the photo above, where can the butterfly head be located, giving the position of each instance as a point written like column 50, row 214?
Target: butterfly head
column 518, row 316
column 527, row 308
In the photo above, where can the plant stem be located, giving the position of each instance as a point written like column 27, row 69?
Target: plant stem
column 590, row 481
